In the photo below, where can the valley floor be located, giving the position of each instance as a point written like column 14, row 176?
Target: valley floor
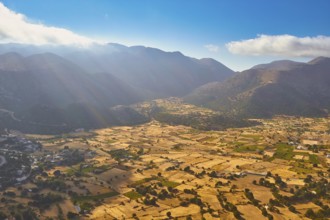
column 276, row 170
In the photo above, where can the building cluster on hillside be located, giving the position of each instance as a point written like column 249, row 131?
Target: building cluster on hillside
column 15, row 159
column 18, row 143
column 67, row 156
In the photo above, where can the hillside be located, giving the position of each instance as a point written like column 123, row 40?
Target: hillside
column 174, row 111
column 294, row 89
column 47, row 92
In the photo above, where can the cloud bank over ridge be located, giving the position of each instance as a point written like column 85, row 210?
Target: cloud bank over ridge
column 282, row 45
column 16, row 28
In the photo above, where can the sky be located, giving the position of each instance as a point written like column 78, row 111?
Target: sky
column 237, row 33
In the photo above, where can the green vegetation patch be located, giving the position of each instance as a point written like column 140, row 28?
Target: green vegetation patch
column 254, row 148
column 162, row 180
column 133, row 195
column 169, row 183
column 145, row 180
column 200, row 122
column 96, row 197
column 86, row 206
column 85, row 170
column 70, row 171
column 301, row 168
column 122, row 154
column 284, row 151
column 207, row 139
column 324, row 146
column 301, row 153
column 314, row 159
column 251, row 136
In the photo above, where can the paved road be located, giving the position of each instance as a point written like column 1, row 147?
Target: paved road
column 12, row 114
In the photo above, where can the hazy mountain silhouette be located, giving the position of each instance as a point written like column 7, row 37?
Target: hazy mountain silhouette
column 77, row 87
column 160, row 73
column 44, row 88
column 68, row 87
column 163, row 73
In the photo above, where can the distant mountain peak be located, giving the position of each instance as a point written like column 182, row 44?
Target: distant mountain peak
column 11, row 55
column 47, row 55
column 208, row 60
column 318, row 60
column 12, row 61
column 116, row 45
column 281, row 65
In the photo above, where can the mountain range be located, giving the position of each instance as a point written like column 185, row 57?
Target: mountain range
column 157, row 72
column 46, row 89
column 72, row 88
column 280, row 87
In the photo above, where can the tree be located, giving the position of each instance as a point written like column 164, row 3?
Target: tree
column 264, row 212
column 186, row 169
column 310, row 213
column 269, row 174
column 261, row 181
column 57, row 173
column 72, row 215
column 29, row 214
column 213, row 174
column 292, row 208
column 233, row 188
column 169, row 214
column 270, row 217
column 308, row 179
column 237, row 214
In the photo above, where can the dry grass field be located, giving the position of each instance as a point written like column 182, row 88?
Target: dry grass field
column 160, row 171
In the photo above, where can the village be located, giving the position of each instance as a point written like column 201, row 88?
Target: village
column 278, row 169
column 15, row 161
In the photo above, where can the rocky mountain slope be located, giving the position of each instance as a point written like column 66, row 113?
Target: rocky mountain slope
column 289, row 88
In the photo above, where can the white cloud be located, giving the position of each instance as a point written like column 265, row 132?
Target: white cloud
column 212, row 48
column 282, row 45
column 16, row 28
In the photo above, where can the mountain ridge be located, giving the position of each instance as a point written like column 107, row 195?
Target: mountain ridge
column 65, row 88
column 47, row 89
column 302, row 90
column 145, row 67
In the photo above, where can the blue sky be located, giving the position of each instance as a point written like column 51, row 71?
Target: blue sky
column 198, row 28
